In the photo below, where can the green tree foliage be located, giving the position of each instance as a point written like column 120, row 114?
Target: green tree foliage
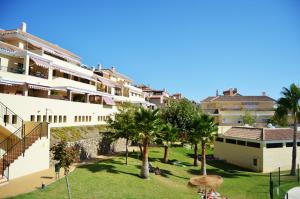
column 123, row 124
column 289, row 103
column 148, row 125
column 279, row 120
column 179, row 113
column 169, row 135
column 248, row 118
column 203, row 131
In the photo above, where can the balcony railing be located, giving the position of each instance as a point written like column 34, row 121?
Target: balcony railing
column 13, row 69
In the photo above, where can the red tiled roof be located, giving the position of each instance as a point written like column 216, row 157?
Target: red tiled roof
column 266, row 134
column 279, row 134
column 238, row 98
column 245, row 133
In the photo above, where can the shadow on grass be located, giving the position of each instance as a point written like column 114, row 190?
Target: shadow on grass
column 107, row 166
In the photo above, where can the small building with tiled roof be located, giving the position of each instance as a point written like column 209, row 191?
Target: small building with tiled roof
column 257, row 149
column 231, row 107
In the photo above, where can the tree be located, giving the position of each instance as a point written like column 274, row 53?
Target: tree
column 248, row 118
column 65, row 156
column 169, row 134
column 123, row 124
column 148, row 125
column 279, row 120
column 289, row 103
column 179, row 113
column 208, row 129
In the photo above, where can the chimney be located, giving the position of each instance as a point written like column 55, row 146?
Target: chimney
column 264, row 93
column 113, row 69
column 23, row 27
column 99, row 67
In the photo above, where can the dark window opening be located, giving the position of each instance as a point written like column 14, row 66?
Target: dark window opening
column 231, row 141
column 274, row 145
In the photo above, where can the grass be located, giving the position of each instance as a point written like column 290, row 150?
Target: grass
column 112, row 179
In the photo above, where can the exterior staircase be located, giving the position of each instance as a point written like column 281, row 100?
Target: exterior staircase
column 15, row 145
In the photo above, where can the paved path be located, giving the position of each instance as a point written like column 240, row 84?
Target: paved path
column 294, row 193
column 29, row 183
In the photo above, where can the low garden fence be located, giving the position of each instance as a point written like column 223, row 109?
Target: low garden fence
column 281, row 182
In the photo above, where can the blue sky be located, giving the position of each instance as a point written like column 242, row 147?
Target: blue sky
column 192, row 47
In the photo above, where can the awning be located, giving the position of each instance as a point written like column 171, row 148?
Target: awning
column 52, row 51
column 106, row 82
column 40, row 62
column 38, row 87
column 10, row 82
column 72, row 72
column 109, row 101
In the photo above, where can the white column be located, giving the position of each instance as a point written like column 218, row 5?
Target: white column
column 26, row 64
column 50, row 73
column 25, row 91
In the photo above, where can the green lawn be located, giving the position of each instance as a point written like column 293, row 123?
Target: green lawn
column 112, row 179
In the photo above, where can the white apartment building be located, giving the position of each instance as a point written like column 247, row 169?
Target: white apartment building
column 43, row 85
column 44, row 82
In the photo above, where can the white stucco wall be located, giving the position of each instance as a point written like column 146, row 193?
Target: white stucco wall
column 26, row 106
column 36, row 159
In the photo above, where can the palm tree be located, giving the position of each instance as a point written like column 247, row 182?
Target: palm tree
column 204, row 131
column 169, row 134
column 148, row 125
column 289, row 103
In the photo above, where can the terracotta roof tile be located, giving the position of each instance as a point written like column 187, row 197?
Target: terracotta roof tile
column 266, row 134
column 245, row 133
column 238, row 98
column 279, row 134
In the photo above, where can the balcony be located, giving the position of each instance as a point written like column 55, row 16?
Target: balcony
column 18, row 69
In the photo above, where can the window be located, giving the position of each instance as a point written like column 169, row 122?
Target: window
column 289, row 144
column 98, row 118
column 44, row 118
column 298, row 143
column 60, row 119
column 14, row 119
column 65, row 118
column 274, row 145
column 90, row 118
column 83, row 119
column 253, row 144
column 55, row 118
column 231, row 141
column 254, row 162
column 79, row 118
column 38, row 118
column 50, row 118
column 240, row 142
column 86, row 118
column 218, row 139
column 66, row 75
column 32, row 118
column 75, row 118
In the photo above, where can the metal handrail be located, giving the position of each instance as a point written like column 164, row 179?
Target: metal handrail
column 8, row 156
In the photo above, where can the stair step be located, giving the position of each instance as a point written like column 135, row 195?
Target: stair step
column 3, row 180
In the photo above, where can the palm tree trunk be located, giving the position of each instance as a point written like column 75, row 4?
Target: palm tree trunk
column 294, row 153
column 141, row 150
column 166, row 155
column 126, row 159
column 203, row 161
column 196, row 155
column 145, row 165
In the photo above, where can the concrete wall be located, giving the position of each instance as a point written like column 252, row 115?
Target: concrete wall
column 239, row 155
column 278, row 157
column 26, row 106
